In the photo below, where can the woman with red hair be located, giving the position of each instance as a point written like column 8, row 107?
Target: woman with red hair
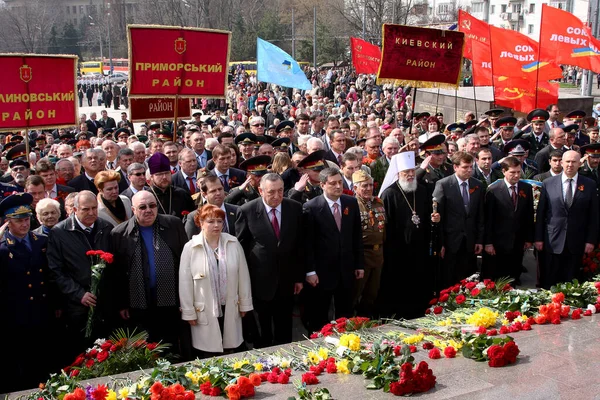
column 433, row 128
column 214, row 285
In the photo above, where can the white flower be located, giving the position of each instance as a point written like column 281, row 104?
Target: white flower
column 480, row 285
column 99, row 342
column 592, row 308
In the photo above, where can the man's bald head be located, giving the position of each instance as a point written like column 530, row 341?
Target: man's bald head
column 141, row 196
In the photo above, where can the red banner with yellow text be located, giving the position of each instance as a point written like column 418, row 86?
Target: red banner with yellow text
column 567, row 40
column 147, row 109
column 481, row 64
column 475, row 30
column 365, row 56
column 37, row 91
column 515, row 55
column 520, row 94
column 421, row 57
column 177, row 61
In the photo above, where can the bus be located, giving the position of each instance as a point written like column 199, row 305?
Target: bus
column 119, row 65
column 90, row 67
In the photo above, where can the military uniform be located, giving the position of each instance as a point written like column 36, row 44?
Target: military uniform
column 6, row 190
column 315, row 162
column 310, row 192
column 372, row 218
column 257, row 166
column 536, row 116
column 26, row 304
column 429, row 176
column 239, row 197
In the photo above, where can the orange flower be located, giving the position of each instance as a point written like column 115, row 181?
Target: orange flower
column 522, row 194
column 473, row 189
column 346, row 211
column 255, row 379
column 580, row 188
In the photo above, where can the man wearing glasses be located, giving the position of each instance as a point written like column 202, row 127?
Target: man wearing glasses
column 257, row 126
column 136, row 173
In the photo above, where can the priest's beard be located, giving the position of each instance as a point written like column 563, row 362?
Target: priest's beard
column 408, row 186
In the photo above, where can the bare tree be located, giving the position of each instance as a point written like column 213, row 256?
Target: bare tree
column 27, row 28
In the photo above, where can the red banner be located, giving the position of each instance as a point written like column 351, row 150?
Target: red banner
column 564, row 39
column 482, row 64
column 37, row 91
column 520, row 94
column 365, row 56
column 475, row 30
column 147, row 109
column 174, row 61
column 515, row 55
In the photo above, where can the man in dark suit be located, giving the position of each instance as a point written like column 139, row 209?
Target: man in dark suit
column 230, row 177
column 568, row 204
column 555, row 166
column 558, row 139
column 552, row 122
column 271, row 231
column 211, row 189
column 337, row 141
column 93, row 124
column 334, row 251
column 508, row 223
column 45, row 169
column 576, row 117
column 107, row 122
column 460, row 204
column 93, row 161
column 185, row 178
column 482, row 169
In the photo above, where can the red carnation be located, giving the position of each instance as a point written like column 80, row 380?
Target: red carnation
column 413, row 349
column 480, row 330
column 437, row 310
column 309, row 378
column 576, row 314
column 89, row 363
column 460, row 299
column 434, row 354
column 558, row 297
column 215, row 391
column 470, row 285
column 492, row 332
column 433, row 302
column 511, row 351
column 331, row 368
column 204, row 388
column 444, row 298
column 526, row 326
column 427, row 346
column 272, row 377
column 100, row 392
column 103, row 355
column 504, row 330
column 151, row 346
column 449, row 352
column 475, row 292
column 587, row 313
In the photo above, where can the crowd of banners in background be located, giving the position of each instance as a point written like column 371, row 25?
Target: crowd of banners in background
column 274, row 65
column 420, row 57
column 177, row 62
column 365, row 56
column 37, row 91
column 156, row 109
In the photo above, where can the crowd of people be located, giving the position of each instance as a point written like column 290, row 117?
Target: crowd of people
column 340, row 201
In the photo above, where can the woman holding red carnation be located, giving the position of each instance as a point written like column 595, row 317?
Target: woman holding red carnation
column 214, row 285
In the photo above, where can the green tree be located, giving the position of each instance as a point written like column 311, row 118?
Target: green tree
column 70, row 39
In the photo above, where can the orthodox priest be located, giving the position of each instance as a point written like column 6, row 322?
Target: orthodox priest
column 406, row 284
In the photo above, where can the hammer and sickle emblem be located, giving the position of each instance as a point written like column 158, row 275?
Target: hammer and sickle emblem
column 514, row 93
column 466, row 24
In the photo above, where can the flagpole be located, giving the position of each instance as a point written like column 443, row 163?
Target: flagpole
column 412, row 112
column 455, row 105
column 315, row 37
column 175, row 119
column 437, row 100
column 537, row 72
column 475, row 100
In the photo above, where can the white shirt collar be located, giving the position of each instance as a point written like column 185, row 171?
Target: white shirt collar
column 331, row 202
column 219, row 174
column 186, row 176
column 460, row 181
column 269, row 208
column 553, row 174
column 88, row 177
column 82, row 226
column 564, row 178
column 508, row 185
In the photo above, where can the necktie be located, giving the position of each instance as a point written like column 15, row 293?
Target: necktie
column 225, row 182
column 569, row 194
column 337, row 216
column 225, row 228
column 339, row 159
column 595, row 173
column 88, row 230
column 191, row 185
column 275, row 223
column 465, row 195
column 514, row 196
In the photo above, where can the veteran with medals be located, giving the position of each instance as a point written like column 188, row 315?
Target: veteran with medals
column 406, row 284
column 372, row 218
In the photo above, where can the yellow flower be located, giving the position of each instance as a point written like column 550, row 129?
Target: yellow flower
column 240, row 364
column 285, row 363
column 483, row 317
column 521, row 318
column 313, row 357
column 193, row 377
column 323, row 353
column 258, row 366
column 111, row 395
column 124, row 393
column 342, row 366
column 505, row 321
column 455, row 344
column 351, row 341
column 414, row 339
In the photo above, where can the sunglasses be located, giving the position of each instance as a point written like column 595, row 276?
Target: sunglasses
column 258, row 125
column 150, row 206
column 138, row 174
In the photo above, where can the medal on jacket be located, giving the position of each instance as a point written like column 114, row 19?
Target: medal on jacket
column 415, row 219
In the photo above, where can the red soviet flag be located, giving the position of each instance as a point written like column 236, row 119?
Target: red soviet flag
column 520, row 94
column 475, row 30
column 482, row 64
column 365, row 56
column 564, row 39
column 515, row 55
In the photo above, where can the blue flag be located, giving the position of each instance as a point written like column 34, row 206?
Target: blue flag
column 274, row 65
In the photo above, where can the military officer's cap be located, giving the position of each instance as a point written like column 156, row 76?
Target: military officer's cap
column 576, row 115
column 262, row 139
column 68, row 135
column 17, row 151
column 197, row 114
column 283, row 126
column 572, row 128
column 245, row 138
column 164, row 134
column 153, row 126
column 314, row 161
column 142, row 138
column 494, row 113
column 506, row 122
column 258, row 165
column 538, row 115
column 517, row 147
column 360, row 176
column 456, row 127
column 119, row 131
column 282, row 143
column 16, row 138
column 17, row 205
column 433, row 145
column 592, row 150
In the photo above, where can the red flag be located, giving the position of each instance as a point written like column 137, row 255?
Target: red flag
column 520, row 94
column 365, row 56
column 482, row 64
column 515, row 55
column 564, row 39
column 475, row 30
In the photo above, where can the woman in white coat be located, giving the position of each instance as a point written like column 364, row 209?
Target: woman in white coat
column 214, row 285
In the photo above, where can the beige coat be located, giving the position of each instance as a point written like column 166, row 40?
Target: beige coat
column 195, row 295
column 106, row 215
